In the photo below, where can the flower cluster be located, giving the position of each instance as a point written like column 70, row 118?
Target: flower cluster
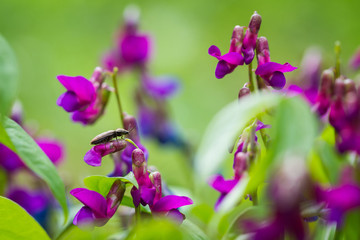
column 244, row 48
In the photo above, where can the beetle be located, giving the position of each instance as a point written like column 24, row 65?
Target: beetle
column 108, row 135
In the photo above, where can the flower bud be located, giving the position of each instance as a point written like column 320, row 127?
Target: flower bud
column 115, row 195
column 240, row 164
column 255, row 23
column 349, row 86
column 155, row 178
column 243, row 92
column 98, row 76
column 130, row 124
column 237, row 39
column 339, row 88
column 262, row 49
column 327, row 79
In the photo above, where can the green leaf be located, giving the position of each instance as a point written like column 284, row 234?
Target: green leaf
column 102, row 184
column 16, row 223
column 225, row 127
column 36, row 160
column 293, row 132
column 8, row 77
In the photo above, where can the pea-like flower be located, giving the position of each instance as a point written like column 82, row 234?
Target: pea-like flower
column 229, row 61
column 273, row 73
column 97, row 209
column 85, row 99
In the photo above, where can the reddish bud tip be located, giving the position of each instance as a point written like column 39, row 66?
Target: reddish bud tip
column 243, row 92
column 255, row 23
column 138, row 157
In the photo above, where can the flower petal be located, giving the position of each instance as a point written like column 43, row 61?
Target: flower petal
column 271, row 67
column 93, row 158
column 214, row 51
column 82, row 87
column 222, row 68
column 170, row 202
column 69, row 101
column 52, row 148
column 277, row 80
column 84, row 216
column 94, row 200
column 160, row 87
column 233, row 58
column 135, row 48
column 9, row 159
column 220, row 184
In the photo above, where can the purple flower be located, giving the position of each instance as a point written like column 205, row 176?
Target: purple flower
column 94, row 156
column 9, row 160
column 35, row 202
column 249, row 44
column 160, row 87
column 340, row 200
column 132, row 48
column 229, row 61
column 52, row 148
column 85, row 99
column 150, row 191
column 273, row 73
column 97, row 210
column 223, row 186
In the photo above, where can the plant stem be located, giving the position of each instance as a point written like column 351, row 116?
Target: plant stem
column 137, row 214
column 64, row 232
column 337, row 56
column 115, row 71
column 251, row 79
column 132, row 142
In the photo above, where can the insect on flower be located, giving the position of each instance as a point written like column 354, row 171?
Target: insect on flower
column 108, row 135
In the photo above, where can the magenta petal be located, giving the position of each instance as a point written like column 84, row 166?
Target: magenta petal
column 32, row 201
column 84, row 216
column 69, row 101
column 233, row 58
column 147, row 195
column 345, row 197
column 161, row 87
column 82, row 87
column 214, row 51
column 169, row 202
column 260, row 125
column 277, row 80
column 94, row 200
column 222, row 68
column 220, row 184
column 270, row 67
column 52, row 148
column 93, row 158
column 9, row 159
column 135, row 49
column 176, row 215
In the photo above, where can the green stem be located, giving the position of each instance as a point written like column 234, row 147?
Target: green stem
column 251, row 79
column 64, row 232
column 137, row 214
column 115, row 71
column 337, row 55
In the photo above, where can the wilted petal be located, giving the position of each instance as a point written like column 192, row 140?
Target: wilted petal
column 170, row 202
column 271, row 67
column 94, row 200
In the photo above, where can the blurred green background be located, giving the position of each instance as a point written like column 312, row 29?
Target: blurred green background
column 69, row 37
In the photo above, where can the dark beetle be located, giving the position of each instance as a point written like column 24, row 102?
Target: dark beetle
column 108, row 135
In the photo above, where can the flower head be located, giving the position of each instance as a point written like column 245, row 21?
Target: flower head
column 249, row 44
column 97, row 210
column 229, row 61
column 85, row 99
column 273, row 73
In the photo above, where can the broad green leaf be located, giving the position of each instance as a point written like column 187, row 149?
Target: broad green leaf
column 102, row 184
column 8, row 77
column 225, row 127
column 16, row 223
column 4, row 138
column 36, row 160
column 293, row 132
column 331, row 160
